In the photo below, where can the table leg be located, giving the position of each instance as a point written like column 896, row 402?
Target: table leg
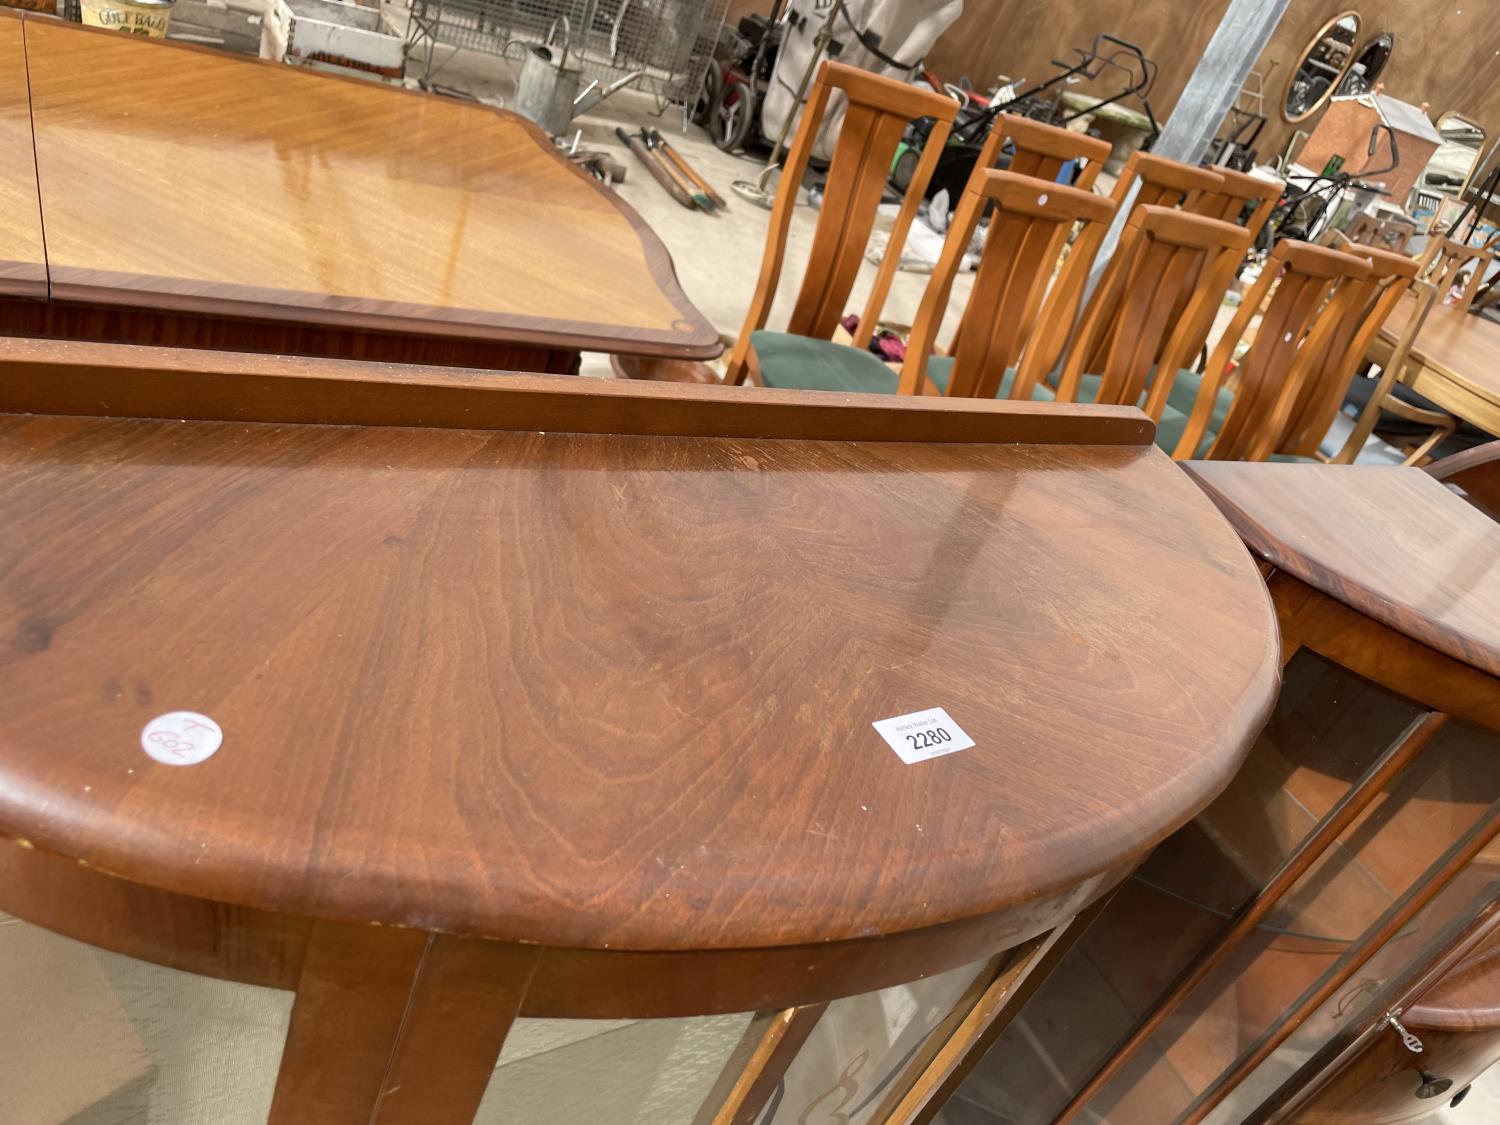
column 395, row 1026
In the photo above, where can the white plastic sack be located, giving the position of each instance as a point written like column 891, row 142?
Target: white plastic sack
column 907, row 29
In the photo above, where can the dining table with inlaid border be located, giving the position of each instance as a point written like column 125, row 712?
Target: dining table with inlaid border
column 170, row 194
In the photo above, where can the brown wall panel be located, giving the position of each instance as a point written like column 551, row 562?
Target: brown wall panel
column 1447, row 52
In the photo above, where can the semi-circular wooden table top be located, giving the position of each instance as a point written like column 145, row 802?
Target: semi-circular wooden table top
column 604, row 690
column 188, row 180
column 1392, row 543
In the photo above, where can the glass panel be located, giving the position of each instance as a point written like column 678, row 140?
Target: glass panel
column 608, row 1072
column 860, row 1048
column 93, row 1038
column 1329, row 727
column 1376, row 986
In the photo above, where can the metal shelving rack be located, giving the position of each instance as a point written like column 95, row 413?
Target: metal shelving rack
column 670, row 42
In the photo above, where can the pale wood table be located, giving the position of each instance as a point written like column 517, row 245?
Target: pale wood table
column 1455, row 363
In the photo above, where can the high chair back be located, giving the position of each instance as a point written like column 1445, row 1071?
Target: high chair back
column 879, row 111
column 1299, row 325
column 1444, row 261
column 1041, row 151
column 1030, row 219
column 1161, row 183
column 1169, row 260
column 1372, row 299
column 1229, row 199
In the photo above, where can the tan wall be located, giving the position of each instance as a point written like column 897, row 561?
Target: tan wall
column 1447, row 52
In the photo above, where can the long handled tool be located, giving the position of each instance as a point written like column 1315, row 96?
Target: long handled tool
column 677, row 158
column 658, row 173
column 655, row 146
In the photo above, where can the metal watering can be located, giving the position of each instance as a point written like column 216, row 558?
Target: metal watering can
column 547, row 91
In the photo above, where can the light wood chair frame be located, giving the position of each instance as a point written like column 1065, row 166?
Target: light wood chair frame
column 879, row 110
column 1299, row 325
column 1031, row 219
column 1041, row 151
column 1156, row 182
column 1167, row 261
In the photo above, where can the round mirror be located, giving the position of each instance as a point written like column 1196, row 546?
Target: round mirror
column 1324, row 64
column 1367, row 65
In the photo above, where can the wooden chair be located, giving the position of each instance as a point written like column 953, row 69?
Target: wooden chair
column 1391, row 232
column 879, row 111
column 1030, row 218
column 1158, row 182
column 1298, row 328
column 1475, row 474
column 1244, row 200
column 1320, row 427
column 1170, row 267
column 1041, row 151
column 1445, row 261
column 1229, row 200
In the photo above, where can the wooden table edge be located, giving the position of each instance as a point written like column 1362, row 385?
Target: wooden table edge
column 705, row 342
column 1411, row 624
column 39, row 376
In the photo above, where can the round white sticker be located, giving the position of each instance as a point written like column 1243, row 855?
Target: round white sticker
column 181, row 738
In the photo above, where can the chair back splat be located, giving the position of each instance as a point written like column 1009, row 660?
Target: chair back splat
column 1041, row 151
column 1229, row 199
column 1372, row 300
column 1445, row 261
column 1300, row 323
column 1162, row 183
column 879, row 111
column 1167, row 261
column 1031, row 219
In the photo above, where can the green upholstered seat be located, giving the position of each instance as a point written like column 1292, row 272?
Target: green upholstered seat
column 798, row 362
column 819, row 365
column 1375, row 452
column 1184, row 394
column 940, row 370
column 1170, row 428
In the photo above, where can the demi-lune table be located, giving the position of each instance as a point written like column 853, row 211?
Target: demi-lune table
column 560, row 700
column 192, row 198
column 1353, row 856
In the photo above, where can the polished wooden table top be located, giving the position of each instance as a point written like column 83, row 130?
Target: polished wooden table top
column 1391, row 543
column 186, row 179
column 615, row 689
column 23, row 262
column 1459, row 358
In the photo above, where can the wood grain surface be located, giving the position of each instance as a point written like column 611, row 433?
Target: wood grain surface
column 23, row 258
column 1392, row 543
column 604, row 691
column 1458, row 361
column 124, row 380
column 195, row 181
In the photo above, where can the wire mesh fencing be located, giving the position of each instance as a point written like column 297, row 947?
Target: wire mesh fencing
column 667, row 44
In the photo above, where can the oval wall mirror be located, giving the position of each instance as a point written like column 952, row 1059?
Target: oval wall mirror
column 1324, row 63
column 1368, row 64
